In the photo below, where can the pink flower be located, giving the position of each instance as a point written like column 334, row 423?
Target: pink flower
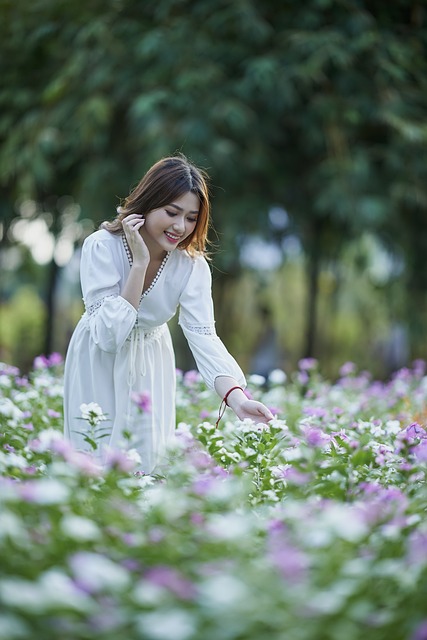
column 44, row 362
column 142, row 399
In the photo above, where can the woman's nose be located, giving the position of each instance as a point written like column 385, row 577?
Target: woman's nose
column 179, row 224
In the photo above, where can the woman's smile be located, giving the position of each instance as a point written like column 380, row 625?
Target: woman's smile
column 172, row 237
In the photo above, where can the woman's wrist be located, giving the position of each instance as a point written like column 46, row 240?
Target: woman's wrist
column 139, row 266
column 235, row 398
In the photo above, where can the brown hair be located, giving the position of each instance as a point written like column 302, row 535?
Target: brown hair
column 169, row 179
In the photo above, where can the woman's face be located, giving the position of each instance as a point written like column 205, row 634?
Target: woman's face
column 166, row 227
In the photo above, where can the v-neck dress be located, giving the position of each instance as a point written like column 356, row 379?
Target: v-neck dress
column 117, row 351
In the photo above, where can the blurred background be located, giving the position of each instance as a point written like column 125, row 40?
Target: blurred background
column 311, row 119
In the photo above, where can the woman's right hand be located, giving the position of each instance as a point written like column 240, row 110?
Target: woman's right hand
column 131, row 226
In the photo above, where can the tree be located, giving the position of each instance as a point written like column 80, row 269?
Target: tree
column 315, row 106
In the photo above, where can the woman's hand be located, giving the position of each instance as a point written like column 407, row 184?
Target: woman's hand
column 254, row 410
column 131, row 226
column 237, row 400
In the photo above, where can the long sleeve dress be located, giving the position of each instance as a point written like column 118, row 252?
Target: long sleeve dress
column 116, row 351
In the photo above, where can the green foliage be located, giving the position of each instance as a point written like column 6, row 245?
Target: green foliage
column 22, row 321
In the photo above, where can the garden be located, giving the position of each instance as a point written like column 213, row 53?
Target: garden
column 310, row 528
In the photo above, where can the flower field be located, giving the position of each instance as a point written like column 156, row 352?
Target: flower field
column 311, row 528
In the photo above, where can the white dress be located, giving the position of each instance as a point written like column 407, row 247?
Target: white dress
column 116, row 351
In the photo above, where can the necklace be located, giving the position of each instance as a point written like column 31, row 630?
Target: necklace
column 130, row 260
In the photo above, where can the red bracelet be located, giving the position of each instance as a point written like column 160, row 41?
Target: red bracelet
column 224, row 404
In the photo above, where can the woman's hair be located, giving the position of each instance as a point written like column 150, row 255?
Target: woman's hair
column 166, row 181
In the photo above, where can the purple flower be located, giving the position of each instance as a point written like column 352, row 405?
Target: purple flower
column 192, row 378
column 156, row 534
column 22, row 382
column 171, row 579
column 417, row 547
column 288, row 560
column 117, row 459
column 419, row 368
column 347, row 369
column 307, row 364
column 197, row 519
column 55, row 359
column 40, row 362
column 142, row 399
column 200, row 459
column 316, row 412
column 316, row 437
column 53, row 414
column 416, row 431
column 85, row 462
column 420, row 632
column 420, row 451
column 303, row 377
column 293, row 476
column 203, row 485
column 8, row 369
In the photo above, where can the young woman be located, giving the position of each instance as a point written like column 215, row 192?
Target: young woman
column 135, row 273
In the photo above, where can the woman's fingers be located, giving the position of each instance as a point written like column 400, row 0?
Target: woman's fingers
column 133, row 222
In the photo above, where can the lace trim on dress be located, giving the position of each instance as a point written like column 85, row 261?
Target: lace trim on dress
column 95, row 306
column 202, row 330
column 156, row 277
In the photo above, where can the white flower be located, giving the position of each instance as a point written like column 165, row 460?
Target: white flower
column 134, row 456
column 60, row 590
column 97, row 572
column 277, row 376
column 45, row 491
column 9, row 409
column 393, row 427
column 11, row 526
column 166, row 624
column 22, row 594
column 228, row 526
column 224, row 591
column 46, row 438
column 53, row 589
column 15, row 460
column 78, row 528
column 92, row 412
column 257, row 380
column 5, row 381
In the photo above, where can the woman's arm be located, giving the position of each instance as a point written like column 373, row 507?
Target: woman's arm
column 240, row 403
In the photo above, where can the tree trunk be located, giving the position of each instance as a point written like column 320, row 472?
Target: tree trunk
column 52, row 279
column 313, row 272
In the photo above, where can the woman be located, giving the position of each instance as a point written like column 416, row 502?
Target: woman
column 135, row 273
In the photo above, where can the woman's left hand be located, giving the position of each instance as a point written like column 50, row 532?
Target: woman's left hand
column 254, row 410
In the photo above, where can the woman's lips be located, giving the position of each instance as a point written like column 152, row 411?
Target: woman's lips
column 172, row 238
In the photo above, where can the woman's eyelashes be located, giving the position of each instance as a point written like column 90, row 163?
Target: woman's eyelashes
column 172, row 214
